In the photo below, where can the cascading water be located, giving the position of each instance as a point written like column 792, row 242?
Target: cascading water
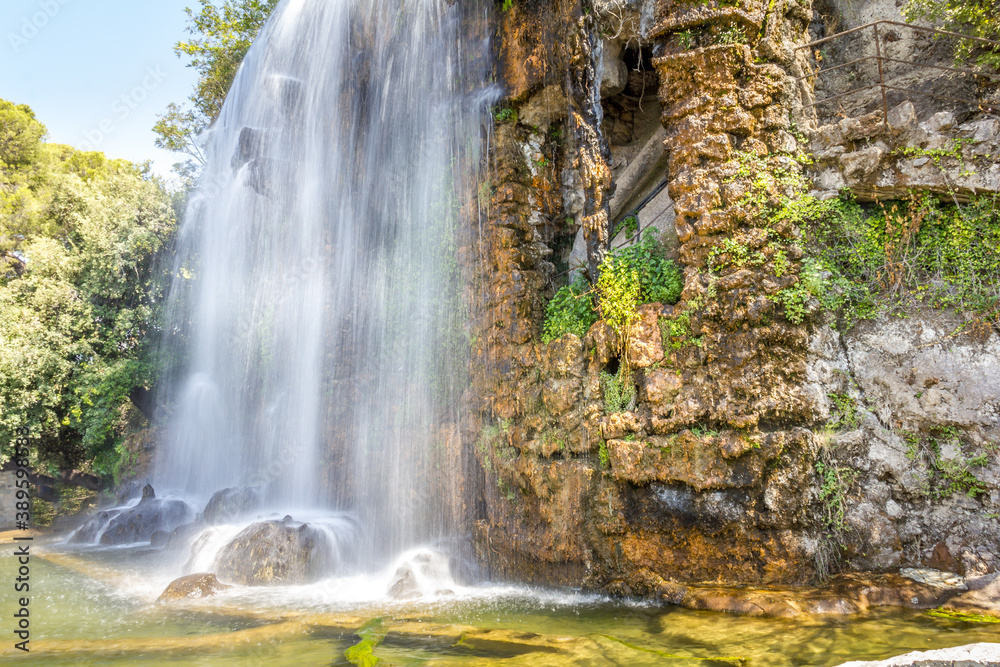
column 316, row 338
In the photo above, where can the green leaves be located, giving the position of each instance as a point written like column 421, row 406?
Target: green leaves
column 20, row 134
column 660, row 279
column 78, row 307
column 977, row 18
column 619, row 288
column 220, row 38
column 882, row 258
column 571, row 310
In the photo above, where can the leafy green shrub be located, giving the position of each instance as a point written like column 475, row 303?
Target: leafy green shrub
column 660, row 279
column 571, row 310
column 957, row 477
column 977, row 18
column 629, row 225
column 619, row 288
column 618, row 390
column 79, row 303
column 835, row 482
column 505, row 114
column 869, row 261
column 794, row 299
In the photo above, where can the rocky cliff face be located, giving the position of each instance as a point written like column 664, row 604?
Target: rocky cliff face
column 763, row 446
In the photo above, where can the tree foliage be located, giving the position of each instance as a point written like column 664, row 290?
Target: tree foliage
column 977, row 18
column 78, row 291
column 221, row 35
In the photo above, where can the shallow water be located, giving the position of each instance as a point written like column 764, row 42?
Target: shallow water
column 98, row 607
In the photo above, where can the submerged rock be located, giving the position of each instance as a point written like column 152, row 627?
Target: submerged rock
column 231, row 504
column 844, row 594
column 193, row 586
column 932, row 577
column 275, row 552
column 151, row 515
column 983, row 601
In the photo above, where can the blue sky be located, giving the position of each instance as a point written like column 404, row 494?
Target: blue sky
column 96, row 72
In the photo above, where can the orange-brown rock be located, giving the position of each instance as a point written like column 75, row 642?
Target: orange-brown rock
column 645, row 345
column 708, row 477
column 191, row 587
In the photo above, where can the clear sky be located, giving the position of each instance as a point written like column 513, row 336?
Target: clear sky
column 96, row 72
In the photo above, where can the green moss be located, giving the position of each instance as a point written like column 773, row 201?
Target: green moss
column 372, row 634
column 965, row 617
column 603, row 456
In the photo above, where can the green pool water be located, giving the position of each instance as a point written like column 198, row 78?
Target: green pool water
column 108, row 616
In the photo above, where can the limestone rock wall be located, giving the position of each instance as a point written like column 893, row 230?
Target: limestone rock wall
column 760, row 448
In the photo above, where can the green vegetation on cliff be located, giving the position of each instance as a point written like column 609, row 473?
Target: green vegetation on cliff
column 571, row 310
column 630, row 276
column 978, row 18
column 884, row 258
column 79, row 236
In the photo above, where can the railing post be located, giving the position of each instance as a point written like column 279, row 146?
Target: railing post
column 881, row 78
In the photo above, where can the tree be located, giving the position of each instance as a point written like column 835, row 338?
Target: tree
column 221, row 37
column 976, row 18
column 20, row 134
column 79, row 297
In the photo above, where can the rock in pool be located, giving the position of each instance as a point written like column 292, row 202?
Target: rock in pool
column 193, row 586
column 137, row 524
column 276, row 552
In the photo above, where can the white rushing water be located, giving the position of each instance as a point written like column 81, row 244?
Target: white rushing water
column 316, row 341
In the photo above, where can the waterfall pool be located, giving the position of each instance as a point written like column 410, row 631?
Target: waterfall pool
column 98, row 606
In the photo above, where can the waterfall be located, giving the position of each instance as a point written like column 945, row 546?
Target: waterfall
column 316, row 344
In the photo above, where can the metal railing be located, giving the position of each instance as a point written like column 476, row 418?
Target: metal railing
column 881, row 59
column 620, row 224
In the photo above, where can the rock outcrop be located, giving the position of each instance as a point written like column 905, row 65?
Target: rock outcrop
column 275, row 552
column 228, row 505
column 149, row 516
column 763, row 445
